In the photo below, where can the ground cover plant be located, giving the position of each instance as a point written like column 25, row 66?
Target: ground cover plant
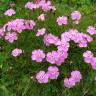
column 47, row 48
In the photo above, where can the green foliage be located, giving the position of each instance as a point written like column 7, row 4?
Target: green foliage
column 16, row 73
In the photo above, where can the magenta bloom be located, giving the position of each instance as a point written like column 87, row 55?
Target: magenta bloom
column 53, row 72
column 46, row 5
column 80, row 38
column 2, row 32
column 29, row 24
column 69, row 83
column 76, row 15
column 91, row 30
column 41, row 17
column 93, row 63
column 31, row 5
column 16, row 25
column 38, row 55
column 76, row 75
column 19, row 25
column 88, row 55
column 64, row 46
column 50, row 39
column 62, row 20
column 16, row 52
column 9, row 12
column 90, row 59
column 41, row 32
column 11, row 37
column 56, row 57
column 42, row 77
column 75, row 78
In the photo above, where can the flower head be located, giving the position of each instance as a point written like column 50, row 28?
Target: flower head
column 62, row 20
column 76, row 15
column 50, row 39
column 11, row 37
column 16, row 52
column 41, row 32
column 53, row 72
column 91, row 30
column 10, row 12
column 56, row 57
column 41, row 17
column 38, row 55
column 31, row 5
column 42, row 77
column 76, row 75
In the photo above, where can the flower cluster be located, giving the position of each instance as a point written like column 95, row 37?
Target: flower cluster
column 50, row 39
column 43, row 4
column 19, row 25
column 56, row 57
column 12, row 28
column 80, row 39
column 52, row 73
column 63, row 20
column 90, row 59
column 75, row 78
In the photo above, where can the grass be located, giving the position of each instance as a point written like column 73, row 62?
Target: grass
column 16, row 73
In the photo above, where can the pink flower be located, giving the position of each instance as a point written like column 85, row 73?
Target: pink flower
column 88, row 55
column 31, row 5
column 62, row 20
column 41, row 32
column 45, row 5
column 69, row 83
column 19, row 25
column 90, row 59
column 91, row 30
column 76, row 15
column 53, row 8
column 16, row 25
column 50, row 39
column 11, row 37
column 42, row 77
column 56, row 57
column 38, row 55
column 53, row 72
column 1, row 32
column 64, row 46
column 9, row 12
column 29, row 24
column 76, row 75
column 93, row 63
column 16, row 52
column 41, row 17
column 95, row 78
column 80, row 38
column 75, row 78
